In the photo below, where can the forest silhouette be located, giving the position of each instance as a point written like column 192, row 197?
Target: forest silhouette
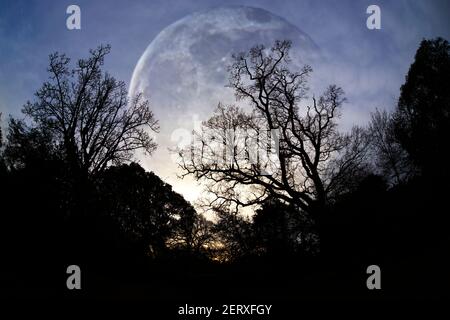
column 73, row 193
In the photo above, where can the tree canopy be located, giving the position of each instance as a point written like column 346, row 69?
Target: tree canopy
column 312, row 162
column 422, row 117
column 87, row 115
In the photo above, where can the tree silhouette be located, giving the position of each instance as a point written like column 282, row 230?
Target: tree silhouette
column 70, row 192
column 81, row 117
column 422, row 117
column 390, row 158
column 235, row 234
column 89, row 116
column 193, row 233
column 29, row 146
column 281, row 231
column 314, row 160
column 80, row 122
column 146, row 209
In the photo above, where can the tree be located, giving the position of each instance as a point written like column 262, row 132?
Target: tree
column 390, row 158
column 193, row 233
column 80, row 123
column 280, row 230
column 29, row 147
column 314, row 161
column 235, row 234
column 146, row 209
column 89, row 116
column 422, row 118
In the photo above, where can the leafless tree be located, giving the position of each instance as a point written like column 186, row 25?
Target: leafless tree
column 313, row 161
column 390, row 158
column 89, row 114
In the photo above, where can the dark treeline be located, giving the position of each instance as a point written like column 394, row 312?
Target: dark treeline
column 71, row 193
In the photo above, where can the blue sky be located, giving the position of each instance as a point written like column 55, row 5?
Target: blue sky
column 377, row 61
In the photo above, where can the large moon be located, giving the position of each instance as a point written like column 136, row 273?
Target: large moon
column 183, row 74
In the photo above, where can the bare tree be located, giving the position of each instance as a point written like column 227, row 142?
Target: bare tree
column 391, row 159
column 313, row 161
column 89, row 114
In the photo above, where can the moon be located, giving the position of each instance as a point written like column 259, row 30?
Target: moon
column 183, row 74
